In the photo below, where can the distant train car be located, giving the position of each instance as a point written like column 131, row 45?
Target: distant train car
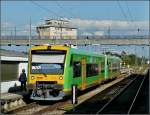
column 54, row 69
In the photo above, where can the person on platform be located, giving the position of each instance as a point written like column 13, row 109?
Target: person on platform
column 23, row 80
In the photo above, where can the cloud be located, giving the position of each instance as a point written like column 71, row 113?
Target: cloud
column 117, row 27
column 27, row 27
column 8, row 28
column 99, row 33
column 6, row 24
column 5, row 28
column 104, row 24
column 88, row 27
column 86, row 34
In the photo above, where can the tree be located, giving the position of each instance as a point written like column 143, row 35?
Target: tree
column 123, row 53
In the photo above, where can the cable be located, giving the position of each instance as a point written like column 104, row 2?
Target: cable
column 130, row 22
column 124, row 14
column 46, row 9
column 130, row 15
column 67, row 11
column 129, row 12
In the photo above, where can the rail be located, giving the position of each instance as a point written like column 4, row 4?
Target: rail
column 135, row 98
column 132, row 84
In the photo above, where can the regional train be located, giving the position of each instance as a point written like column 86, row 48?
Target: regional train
column 52, row 70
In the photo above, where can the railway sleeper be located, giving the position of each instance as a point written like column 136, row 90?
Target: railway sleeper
column 12, row 105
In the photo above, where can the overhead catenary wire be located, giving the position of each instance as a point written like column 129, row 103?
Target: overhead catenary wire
column 65, row 10
column 122, row 10
column 46, row 9
column 129, row 12
column 131, row 17
column 129, row 21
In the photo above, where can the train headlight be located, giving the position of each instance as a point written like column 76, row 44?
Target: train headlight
column 60, row 77
column 32, row 77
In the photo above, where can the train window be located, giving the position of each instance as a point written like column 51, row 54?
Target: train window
column 91, row 70
column 71, row 61
column 76, row 69
column 102, row 71
column 47, row 68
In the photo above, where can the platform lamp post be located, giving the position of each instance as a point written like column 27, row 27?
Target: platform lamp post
column 135, row 56
column 120, row 57
column 15, row 32
column 142, row 61
column 30, row 33
column 109, row 32
column 104, row 50
column 135, row 47
column 106, row 67
column 95, row 47
column 11, row 39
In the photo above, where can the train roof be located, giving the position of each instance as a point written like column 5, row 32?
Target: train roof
column 83, row 52
column 78, row 51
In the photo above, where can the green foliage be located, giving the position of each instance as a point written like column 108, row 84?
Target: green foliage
column 132, row 59
column 129, row 59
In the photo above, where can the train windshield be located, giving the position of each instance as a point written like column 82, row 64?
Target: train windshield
column 48, row 62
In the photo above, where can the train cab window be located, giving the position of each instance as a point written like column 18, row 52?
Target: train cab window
column 76, row 69
column 47, row 62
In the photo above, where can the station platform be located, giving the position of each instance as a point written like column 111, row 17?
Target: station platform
column 11, row 101
column 10, row 96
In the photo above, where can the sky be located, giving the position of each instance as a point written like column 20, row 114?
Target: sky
column 90, row 17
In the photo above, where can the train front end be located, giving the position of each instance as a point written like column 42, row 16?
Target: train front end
column 46, row 72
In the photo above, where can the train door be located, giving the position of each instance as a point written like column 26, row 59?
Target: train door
column 100, row 74
column 83, row 62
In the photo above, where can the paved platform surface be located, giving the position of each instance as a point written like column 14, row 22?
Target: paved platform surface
column 9, row 96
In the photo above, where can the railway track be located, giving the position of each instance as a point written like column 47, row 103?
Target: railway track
column 24, row 108
column 140, row 101
column 101, row 99
column 58, row 107
column 37, row 108
column 124, row 101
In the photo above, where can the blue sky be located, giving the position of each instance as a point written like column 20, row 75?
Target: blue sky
column 17, row 13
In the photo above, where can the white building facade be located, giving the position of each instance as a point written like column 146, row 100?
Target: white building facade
column 56, row 29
